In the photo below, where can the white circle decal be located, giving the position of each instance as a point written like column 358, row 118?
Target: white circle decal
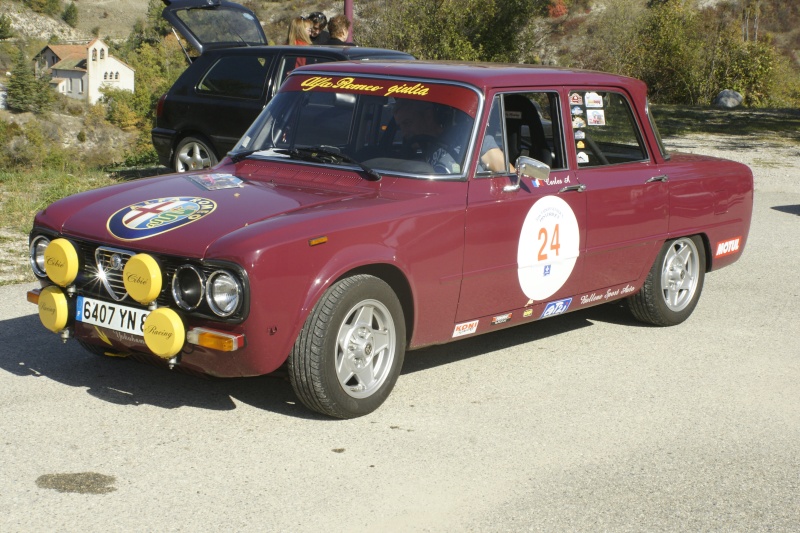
column 548, row 247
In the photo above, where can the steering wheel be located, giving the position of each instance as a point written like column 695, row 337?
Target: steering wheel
column 426, row 144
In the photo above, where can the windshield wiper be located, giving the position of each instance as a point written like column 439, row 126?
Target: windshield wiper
column 238, row 156
column 328, row 155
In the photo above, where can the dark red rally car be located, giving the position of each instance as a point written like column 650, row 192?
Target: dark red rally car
column 377, row 207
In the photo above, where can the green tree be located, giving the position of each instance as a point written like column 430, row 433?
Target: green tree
column 6, row 31
column 48, row 7
column 26, row 92
column 70, row 15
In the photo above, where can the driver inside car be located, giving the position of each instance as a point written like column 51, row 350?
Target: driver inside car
column 424, row 134
column 422, row 125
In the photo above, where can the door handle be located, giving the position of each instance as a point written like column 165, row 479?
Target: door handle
column 663, row 178
column 578, row 188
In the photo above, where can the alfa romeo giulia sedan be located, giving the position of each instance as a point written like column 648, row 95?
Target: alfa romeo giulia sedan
column 378, row 207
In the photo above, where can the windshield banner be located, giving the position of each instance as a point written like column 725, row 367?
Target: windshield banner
column 455, row 96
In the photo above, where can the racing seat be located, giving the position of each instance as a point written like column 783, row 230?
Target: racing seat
column 524, row 130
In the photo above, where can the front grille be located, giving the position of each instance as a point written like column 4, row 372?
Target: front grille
column 109, row 263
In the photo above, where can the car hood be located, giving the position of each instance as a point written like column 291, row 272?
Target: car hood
column 207, row 24
column 181, row 214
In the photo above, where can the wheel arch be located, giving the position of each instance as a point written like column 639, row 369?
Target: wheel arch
column 398, row 282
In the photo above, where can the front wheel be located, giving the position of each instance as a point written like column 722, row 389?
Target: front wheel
column 348, row 355
column 673, row 286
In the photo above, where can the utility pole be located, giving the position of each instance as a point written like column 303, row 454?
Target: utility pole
column 348, row 12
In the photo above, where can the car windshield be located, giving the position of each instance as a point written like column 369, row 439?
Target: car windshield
column 404, row 127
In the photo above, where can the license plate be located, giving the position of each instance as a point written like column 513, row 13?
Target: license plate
column 111, row 316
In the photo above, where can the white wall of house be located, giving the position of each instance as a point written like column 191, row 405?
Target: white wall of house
column 73, row 84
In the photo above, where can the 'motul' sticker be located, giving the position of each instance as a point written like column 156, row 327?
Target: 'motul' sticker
column 153, row 217
column 549, row 246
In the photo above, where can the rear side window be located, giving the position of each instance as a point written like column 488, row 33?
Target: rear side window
column 604, row 129
column 237, row 77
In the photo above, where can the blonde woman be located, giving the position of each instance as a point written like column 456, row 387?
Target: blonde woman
column 299, row 31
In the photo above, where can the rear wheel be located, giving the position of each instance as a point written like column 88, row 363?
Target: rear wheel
column 673, row 286
column 348, row 355
column 193, row 153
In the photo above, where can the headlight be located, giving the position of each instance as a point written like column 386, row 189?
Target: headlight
column 188, row 287
column 223, row 293
column 36, row 255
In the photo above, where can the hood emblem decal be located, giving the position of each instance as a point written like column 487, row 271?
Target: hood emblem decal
column 159, row 215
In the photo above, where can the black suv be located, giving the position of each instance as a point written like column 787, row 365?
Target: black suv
column 214, row 101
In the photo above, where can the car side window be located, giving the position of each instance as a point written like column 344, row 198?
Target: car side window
column 604, row 129
column 521, row 124
column 236, row 77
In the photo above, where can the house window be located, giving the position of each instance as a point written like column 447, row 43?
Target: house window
column 80, row 86
column 102, row 53
column 69, row 85
column 94, row 54
column 116, row 76
column 105, row 75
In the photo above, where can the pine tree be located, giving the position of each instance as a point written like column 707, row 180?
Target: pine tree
column 5, row 28
column 26, row 92
column 70, row 15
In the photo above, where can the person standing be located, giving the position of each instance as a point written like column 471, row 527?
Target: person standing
column 319, row 35
column 339, row 28
column 299, row 35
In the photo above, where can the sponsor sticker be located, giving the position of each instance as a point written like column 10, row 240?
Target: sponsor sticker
column 728, row 247
column 548, row 247
column 575, row 99
column 556, row 308
column 501, row 319
column 580, row 145
column 593, row 100
column 465, row 328
column 527, row 313
column 596, row 117
column 577, row 110
column 159, row 215
column 214, row 182
column 578, row 122
column 580, row 135
column 583, row 157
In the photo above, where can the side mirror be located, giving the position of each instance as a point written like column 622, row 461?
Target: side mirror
column 528, row 168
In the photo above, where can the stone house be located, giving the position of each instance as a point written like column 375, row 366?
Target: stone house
column 81, row 70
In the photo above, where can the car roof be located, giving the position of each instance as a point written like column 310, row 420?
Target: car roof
column 339, row 52
column 481, row 75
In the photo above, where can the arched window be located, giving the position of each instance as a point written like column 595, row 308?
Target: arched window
column 105, row 75
column 116, row 76
column 80, row 86
column 102, row 53
column 94, row 54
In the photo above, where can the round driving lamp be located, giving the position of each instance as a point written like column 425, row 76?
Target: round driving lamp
column 36, row 255
column 188, row 287
column 223, row 293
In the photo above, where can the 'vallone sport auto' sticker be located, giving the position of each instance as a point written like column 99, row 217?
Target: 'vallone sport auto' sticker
column 153, row 217
column 548, row 247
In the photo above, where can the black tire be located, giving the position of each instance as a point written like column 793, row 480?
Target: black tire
column 673, row 285
column 193, row 153
column 352, row 382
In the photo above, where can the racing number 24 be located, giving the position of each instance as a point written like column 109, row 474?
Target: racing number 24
column 554, row 243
